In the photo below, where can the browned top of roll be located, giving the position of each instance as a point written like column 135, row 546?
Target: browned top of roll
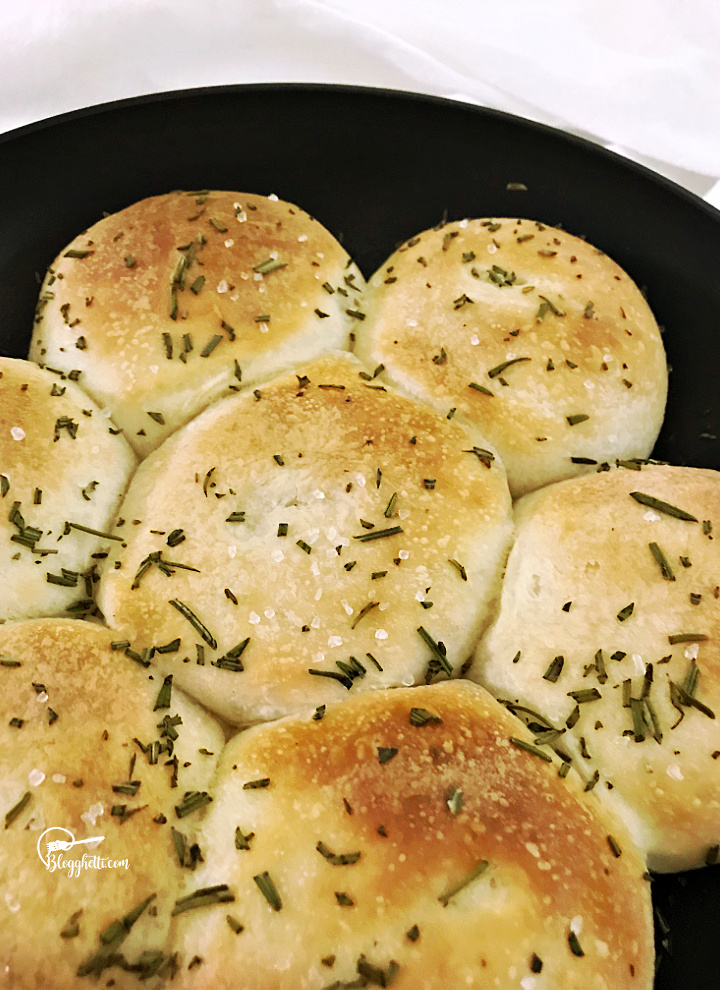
column 609, row 628
column 312, row 539
column 74, row 719
column 168, row 303
column 536, row 336
column 405, row 831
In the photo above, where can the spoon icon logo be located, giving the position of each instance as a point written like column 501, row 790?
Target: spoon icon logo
column 60, row 840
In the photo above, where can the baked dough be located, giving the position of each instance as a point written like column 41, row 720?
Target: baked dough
column 609, row 595
column 61, row 461
column 537, row 337
column 356, row 857
column 167, row 304
column 74, row 718
column 284, row 532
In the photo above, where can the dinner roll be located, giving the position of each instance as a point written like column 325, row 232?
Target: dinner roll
column 173, row 300
column 537, row 337
column 412, row 838
column 320, row 535
column 63, row 470
column 93, row 747
column 609, row 637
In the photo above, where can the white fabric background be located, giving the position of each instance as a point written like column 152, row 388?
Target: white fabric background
column 642, row 76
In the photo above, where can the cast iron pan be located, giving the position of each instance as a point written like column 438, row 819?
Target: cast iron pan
column 376, row 167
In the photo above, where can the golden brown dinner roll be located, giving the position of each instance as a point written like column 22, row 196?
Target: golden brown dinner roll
column 413, row 838
column 170, row 302
column 535, row 336
column 609, row 637
column 63, row 470
column 93, row 747
column 320, row 535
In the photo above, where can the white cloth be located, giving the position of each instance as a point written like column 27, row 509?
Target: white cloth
column 640, row 75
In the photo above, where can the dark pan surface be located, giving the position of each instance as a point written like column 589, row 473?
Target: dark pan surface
column 376, row 167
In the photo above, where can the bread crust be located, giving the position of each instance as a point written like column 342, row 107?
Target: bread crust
column 169, row 303
column 279, row 498
column 595, row 570
column 413, row 808
column 61, row 461
column 534, row 335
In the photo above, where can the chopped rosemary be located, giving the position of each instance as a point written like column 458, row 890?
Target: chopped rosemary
column 192, row 800
column 268, row 266
column 242, row 841
column 337, row 859
column 554, row 670
column 659, row 506
column 476, row 872
column 203, row 897
column 439, row 659
column 458, row 567
column 363, row 612
column 164, row 694
column 268, row 890
column 386, row 753
column 17, row 809
column 529, row 748
column 194, row 622
column 576, row 418
column 687, row 637
column 665, row 568
column 455, row 800
column 499, row 368
column 378, row 534
column 626, row 612
column 254, row 785
column 421, row 716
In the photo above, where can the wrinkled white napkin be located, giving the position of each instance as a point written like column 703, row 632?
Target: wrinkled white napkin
column 640, row 75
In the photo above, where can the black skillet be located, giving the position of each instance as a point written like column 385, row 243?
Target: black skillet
column 376, row 167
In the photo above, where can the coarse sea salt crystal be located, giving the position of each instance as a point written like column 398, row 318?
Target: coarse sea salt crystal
column 639, row 663
column 269, row 613
column 253, row 618
column 651, row 516
column 229, row 242
column 334, row 640
column 347, row 606
column 474, row 340
column 222, row 287
column 302, row 238
column 692, row 651
column 277, row 556
column 315, row 624
column 42, row 697
column 675, row 772
column 273, row 198
column 318, row 494
column 318, row 657
column 17, row 433
column 232, row 550
column 463, row 224
column 318, row 594
column 36, row 777
column 381, row 634
column 576, row 924
column 491, row 249
column 59, row 778
column 403, row 554
column 93, row 813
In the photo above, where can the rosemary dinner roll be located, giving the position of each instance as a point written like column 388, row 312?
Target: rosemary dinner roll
column 93, row 748
column 170, row 302
column 320, row 535
column 412, row 838
column 609, row 638
column 535, row 336
column 63, row 470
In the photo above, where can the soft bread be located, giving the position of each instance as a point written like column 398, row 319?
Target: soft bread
column 75, row 718
column 173, row 300
column 402, row 838
column 61, row 461
column 537, row 337
column 610, row 594
column 283, row 533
